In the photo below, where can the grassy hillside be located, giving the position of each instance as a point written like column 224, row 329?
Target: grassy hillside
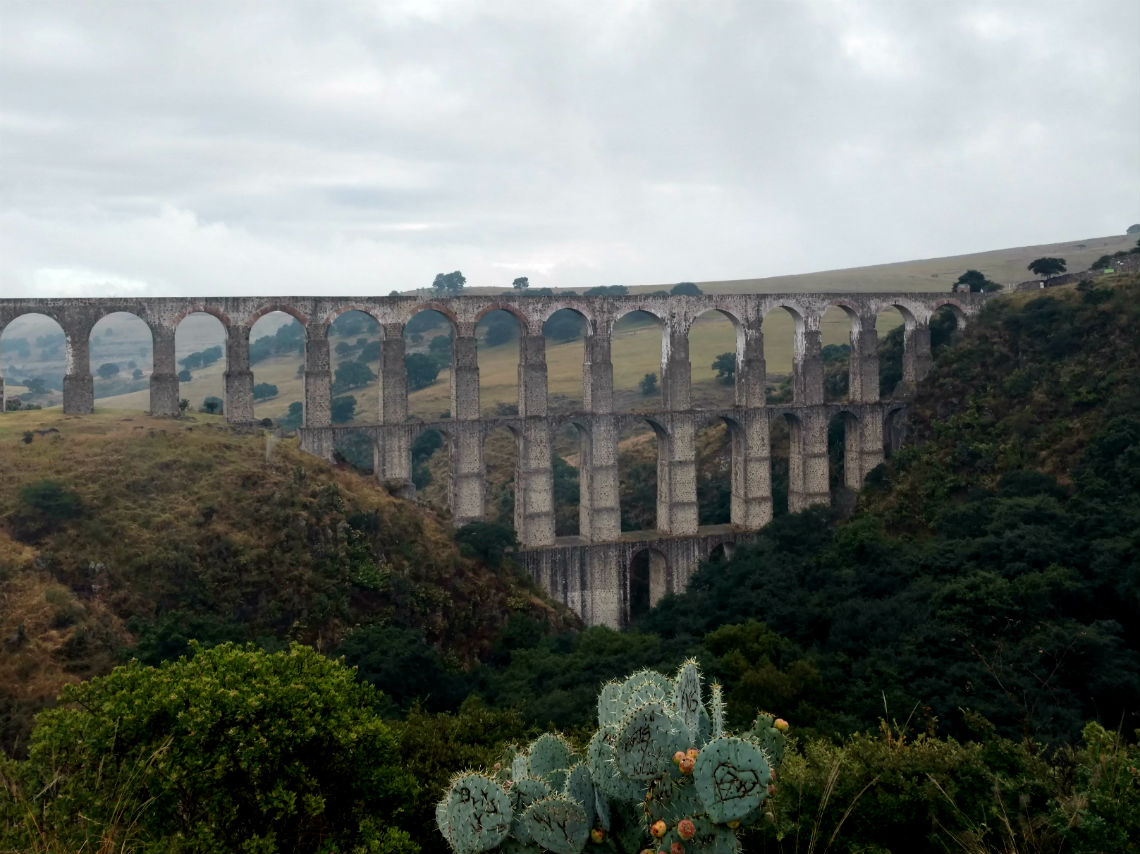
column 158, row 530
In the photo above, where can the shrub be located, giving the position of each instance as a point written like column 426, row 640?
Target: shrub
column 231, row 749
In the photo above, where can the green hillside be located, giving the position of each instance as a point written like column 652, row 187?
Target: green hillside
column 130, row 534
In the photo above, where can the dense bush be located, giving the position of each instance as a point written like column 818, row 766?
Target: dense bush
column 231, row 749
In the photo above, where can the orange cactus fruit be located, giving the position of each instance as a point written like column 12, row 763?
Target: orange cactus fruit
column 659, row 829
column 780, row 724
column 597, row 834
column 687, row 764
column 686, row 829
column 735, row 823
column 678, row 756
column 692, row 752
column 676, row 848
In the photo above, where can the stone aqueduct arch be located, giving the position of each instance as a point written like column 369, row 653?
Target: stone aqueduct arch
column 590, row 572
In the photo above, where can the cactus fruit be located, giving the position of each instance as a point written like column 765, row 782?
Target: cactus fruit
column 478, row 814
column 770, row 737
column 659, row 829
column 686, row 829
column 731, row 778
column 558, row 824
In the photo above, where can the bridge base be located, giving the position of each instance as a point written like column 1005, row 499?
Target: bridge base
column 595, row 580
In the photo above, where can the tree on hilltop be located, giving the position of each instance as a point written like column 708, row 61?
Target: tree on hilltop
column 975, row 282
column 449, row 283
column 1047, row 267
column 521, row 283
column 685, row 289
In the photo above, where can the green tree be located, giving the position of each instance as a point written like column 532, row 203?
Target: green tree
column 648, row 384
column 685, row 289
column 264, row 391
column 184, row 376
column 343, row 409
column 352, row 375
column 422, row 371
column 449, row 283
column 108, row 370
column 230, row 749
column 725, row 367
column 1047, row 267
column 439, row 348
column 35, row 385
column 292, row 419
column 212, row 405
column 521, row 283
column 489, row 541
column 975, row 282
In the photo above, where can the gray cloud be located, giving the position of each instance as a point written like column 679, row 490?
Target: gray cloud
column 359, row 147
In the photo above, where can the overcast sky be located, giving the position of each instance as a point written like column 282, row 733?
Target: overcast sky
column 165, row 148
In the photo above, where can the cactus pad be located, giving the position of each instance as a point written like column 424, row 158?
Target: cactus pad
column 558, row 824
column 604, row 770
column 687, row 698
column 646, row 742
column 611, row 708
column 731, row 777
column 716, row 703
column 478, row 814
column 549, row 757
column 580, row 788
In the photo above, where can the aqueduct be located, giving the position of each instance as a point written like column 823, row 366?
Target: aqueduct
column 589, row 572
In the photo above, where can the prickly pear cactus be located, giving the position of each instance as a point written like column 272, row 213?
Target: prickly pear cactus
column 731, row 777
column 661, row 761
column 477, row 812
column 770, row 737
column 558, row 824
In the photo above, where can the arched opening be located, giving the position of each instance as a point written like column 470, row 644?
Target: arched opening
column 565, row 335
column 501, row 462
column 277, row 361
column 570, row 448
column 894, row 431
column 354, row 361
column 721, row 553
column 891, row 329
column 714, row 474
column 33, row 360
column 431, row 469
column 786, row 462
column 838, row 329
column 497, row 339
column 638, row 449
column 714, row 352
column 355, row 449
column 945, row 324
column 121, row 349
column 428, row 340
column 843, row 462
column 779, row 330
column 649, row 581
column 200, row 357
column 637, row 347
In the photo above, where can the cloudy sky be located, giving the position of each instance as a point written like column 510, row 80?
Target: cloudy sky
column 359, row 147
